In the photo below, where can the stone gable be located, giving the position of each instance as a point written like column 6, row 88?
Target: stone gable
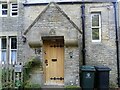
column 52, row 22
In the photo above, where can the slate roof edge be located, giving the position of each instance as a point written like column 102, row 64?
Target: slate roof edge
column 70, row 2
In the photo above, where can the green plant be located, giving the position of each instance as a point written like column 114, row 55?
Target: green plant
column 36, row 86
column 33, row 63
column 72, row 88
column 113, row 85
column 31, row 85
column 29, row 67
column 7, row 81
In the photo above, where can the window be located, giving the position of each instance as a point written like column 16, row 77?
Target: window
column 14, row 9
column 96, row 27
column 3, row 50
column 4, row 10
column 13, row 49
column 10, row 52
column 9, row 9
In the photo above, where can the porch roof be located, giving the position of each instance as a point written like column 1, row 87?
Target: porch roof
column 59, row 9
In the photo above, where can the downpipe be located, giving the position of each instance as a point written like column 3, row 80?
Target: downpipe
column 117, row 43
column 83, row 36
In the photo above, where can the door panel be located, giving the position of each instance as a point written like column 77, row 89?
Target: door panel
column 54, row 61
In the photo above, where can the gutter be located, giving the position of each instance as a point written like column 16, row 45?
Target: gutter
column 42, row 2
column 83, row 36
column 117, row 42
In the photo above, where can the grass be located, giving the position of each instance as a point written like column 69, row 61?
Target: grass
column 72, row 88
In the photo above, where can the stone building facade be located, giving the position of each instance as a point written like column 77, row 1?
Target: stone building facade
column 52, row 33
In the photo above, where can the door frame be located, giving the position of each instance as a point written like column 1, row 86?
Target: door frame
column 52, row 38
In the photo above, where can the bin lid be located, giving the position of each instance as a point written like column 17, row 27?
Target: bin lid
column 102, row 68
column 87, row 68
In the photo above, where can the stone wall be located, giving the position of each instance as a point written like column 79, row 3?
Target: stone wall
column 13, row 26
column 102, row 53
column 71, row 66
column 53, row 18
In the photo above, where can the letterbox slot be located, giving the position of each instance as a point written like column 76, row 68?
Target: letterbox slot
column 54, row 60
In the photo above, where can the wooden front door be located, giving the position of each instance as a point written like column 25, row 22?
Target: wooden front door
column 54, row 62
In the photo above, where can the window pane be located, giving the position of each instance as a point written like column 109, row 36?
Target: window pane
column 4, row 6
column 14, row 6
column 13, row 43
column 3, row 56
column 14, row 14
column 95, row 20
column 13, row 56
column 4, row 43
column 14, row 10
column 4, row 12
column 95, row 34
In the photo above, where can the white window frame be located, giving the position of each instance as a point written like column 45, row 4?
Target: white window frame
column 11, row 10
column 1, row 51
column 4, row 9
column 99, row 27
column 11, row 50
column 7, row 51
